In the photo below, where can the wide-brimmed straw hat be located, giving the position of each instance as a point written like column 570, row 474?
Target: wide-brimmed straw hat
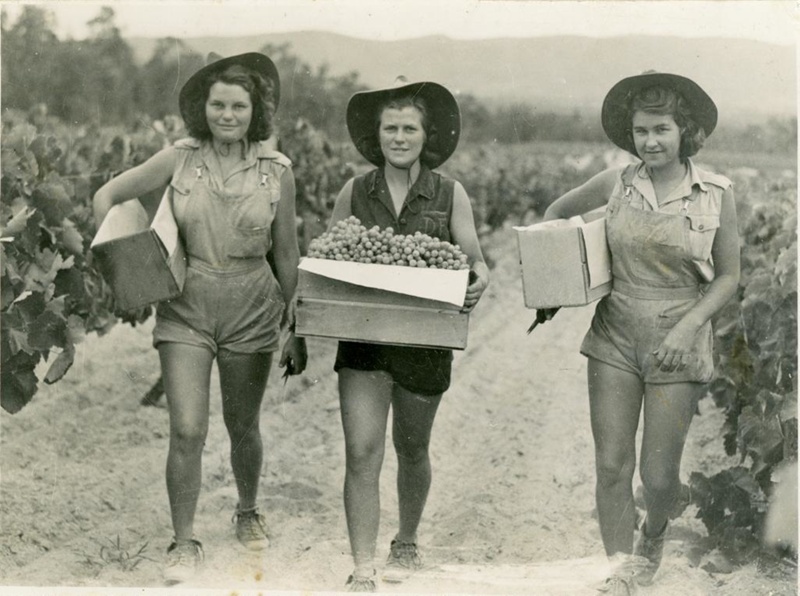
column 443, row 113
column 616, row 116
column 216, row 63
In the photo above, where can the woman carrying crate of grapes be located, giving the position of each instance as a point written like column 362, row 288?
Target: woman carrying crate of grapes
column 405, row 131
column 233, row 198
column 672, row 232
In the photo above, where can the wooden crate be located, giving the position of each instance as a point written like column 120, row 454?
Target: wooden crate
column 141, row 259
column 332, row 308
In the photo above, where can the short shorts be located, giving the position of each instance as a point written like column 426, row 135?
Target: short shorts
column 238, row 310
column 625, row 332
column 425, row 371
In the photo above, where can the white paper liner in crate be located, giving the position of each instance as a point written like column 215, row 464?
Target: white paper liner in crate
column 442, row 285
column 130, row 217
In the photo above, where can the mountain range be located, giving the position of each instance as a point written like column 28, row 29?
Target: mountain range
column 748, row 79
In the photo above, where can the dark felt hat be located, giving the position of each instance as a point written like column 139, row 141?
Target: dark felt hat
column 216, row 63
column 444, row 114
column 615, row 114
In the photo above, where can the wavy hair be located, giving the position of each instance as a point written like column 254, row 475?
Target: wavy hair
column 666, row 101
column 259, row 88
column 431, row 152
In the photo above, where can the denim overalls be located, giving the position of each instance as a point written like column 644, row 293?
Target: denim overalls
column 660, row 258
column 230, row 298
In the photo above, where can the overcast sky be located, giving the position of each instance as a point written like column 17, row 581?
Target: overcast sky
column 766, row 20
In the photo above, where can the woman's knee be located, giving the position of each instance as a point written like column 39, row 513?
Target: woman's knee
column 188, row 438
column 614, row 468
column 364, row 458
column 659, row 480
column 409, row 450
column 243, row 428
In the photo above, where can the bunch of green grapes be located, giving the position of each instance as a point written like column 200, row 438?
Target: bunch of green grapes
column 351, row 241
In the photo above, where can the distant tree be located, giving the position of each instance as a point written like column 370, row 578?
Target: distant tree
column 111, row 82
column 80, row 81
column 29, row 52
column 312, row 93
column 162, row 77
column 476, row 119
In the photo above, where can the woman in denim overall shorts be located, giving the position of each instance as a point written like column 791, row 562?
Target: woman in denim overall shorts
column 406, row 131
column 673, row 237
column 233, row 200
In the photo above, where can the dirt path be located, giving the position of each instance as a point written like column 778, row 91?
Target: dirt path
column 510, row 510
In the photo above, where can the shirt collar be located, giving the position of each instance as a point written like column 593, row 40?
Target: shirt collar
column 251, row 153
column 423, row 187
column 642, row 183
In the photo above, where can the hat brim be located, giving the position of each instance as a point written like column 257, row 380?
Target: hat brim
column 444, row 114
column 615, row 114
column 253, row 60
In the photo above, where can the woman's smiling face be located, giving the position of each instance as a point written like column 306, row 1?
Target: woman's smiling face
column 657, row 138
column 229, row 112
column 401, row 135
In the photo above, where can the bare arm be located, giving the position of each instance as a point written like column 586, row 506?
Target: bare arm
column 672, row 354
column 285, row 249
column 133, row 183
column 286, row 253
column 462, row 229
column 590, row 195
column 343, row 208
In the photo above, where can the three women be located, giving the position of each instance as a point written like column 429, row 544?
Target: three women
column 672, row 234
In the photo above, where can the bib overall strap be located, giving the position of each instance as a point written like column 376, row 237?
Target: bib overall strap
column 627, row 179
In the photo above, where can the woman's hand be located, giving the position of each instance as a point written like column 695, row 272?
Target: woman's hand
column 294, row 355
column 479, row 281
column 542, row 316
column 674, row 352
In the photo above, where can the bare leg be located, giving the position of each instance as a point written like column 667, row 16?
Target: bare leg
column 243, row 379
column 364, row 397
column 668, row 412
column 413, row 416
column 615, row 398
column 187, row 373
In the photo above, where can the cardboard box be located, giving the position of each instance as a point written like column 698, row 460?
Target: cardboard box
column 565, row 262
column 142, row 260
column 383, row 304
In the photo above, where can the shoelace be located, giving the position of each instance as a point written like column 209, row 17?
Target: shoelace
column 405, row 553
column 189, row 552
column 250, row 520
column 617, row 580
column 360, row 583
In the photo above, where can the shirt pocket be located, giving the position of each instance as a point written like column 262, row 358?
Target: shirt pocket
column 701, row 230
column 181, row 187
column 251, row 220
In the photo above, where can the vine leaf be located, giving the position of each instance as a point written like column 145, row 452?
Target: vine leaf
column 71, row 238
column 18, row 223
column 54, row 202
column 18, row 382
column 48, row 330
column 60, row 365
